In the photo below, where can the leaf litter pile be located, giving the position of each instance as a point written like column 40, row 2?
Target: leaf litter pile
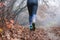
column 17, row 32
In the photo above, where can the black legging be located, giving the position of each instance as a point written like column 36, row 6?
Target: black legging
column 32, row 6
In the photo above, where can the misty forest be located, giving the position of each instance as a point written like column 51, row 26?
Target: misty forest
column 14, row 20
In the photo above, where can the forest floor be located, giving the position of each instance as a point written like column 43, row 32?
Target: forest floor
column 18, row 32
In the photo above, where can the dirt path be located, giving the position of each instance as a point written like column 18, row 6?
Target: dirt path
column 21, row 33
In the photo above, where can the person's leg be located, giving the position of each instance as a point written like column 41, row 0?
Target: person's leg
column 34, row 11
column 30, row 15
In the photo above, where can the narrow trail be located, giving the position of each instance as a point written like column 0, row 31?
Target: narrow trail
column 18, row 32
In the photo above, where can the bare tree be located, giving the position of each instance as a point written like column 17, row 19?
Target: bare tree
column 7, row 13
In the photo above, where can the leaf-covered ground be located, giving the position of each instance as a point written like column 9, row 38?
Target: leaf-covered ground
column 18, row 32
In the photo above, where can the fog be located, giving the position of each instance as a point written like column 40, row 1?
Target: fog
column 48, row 13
